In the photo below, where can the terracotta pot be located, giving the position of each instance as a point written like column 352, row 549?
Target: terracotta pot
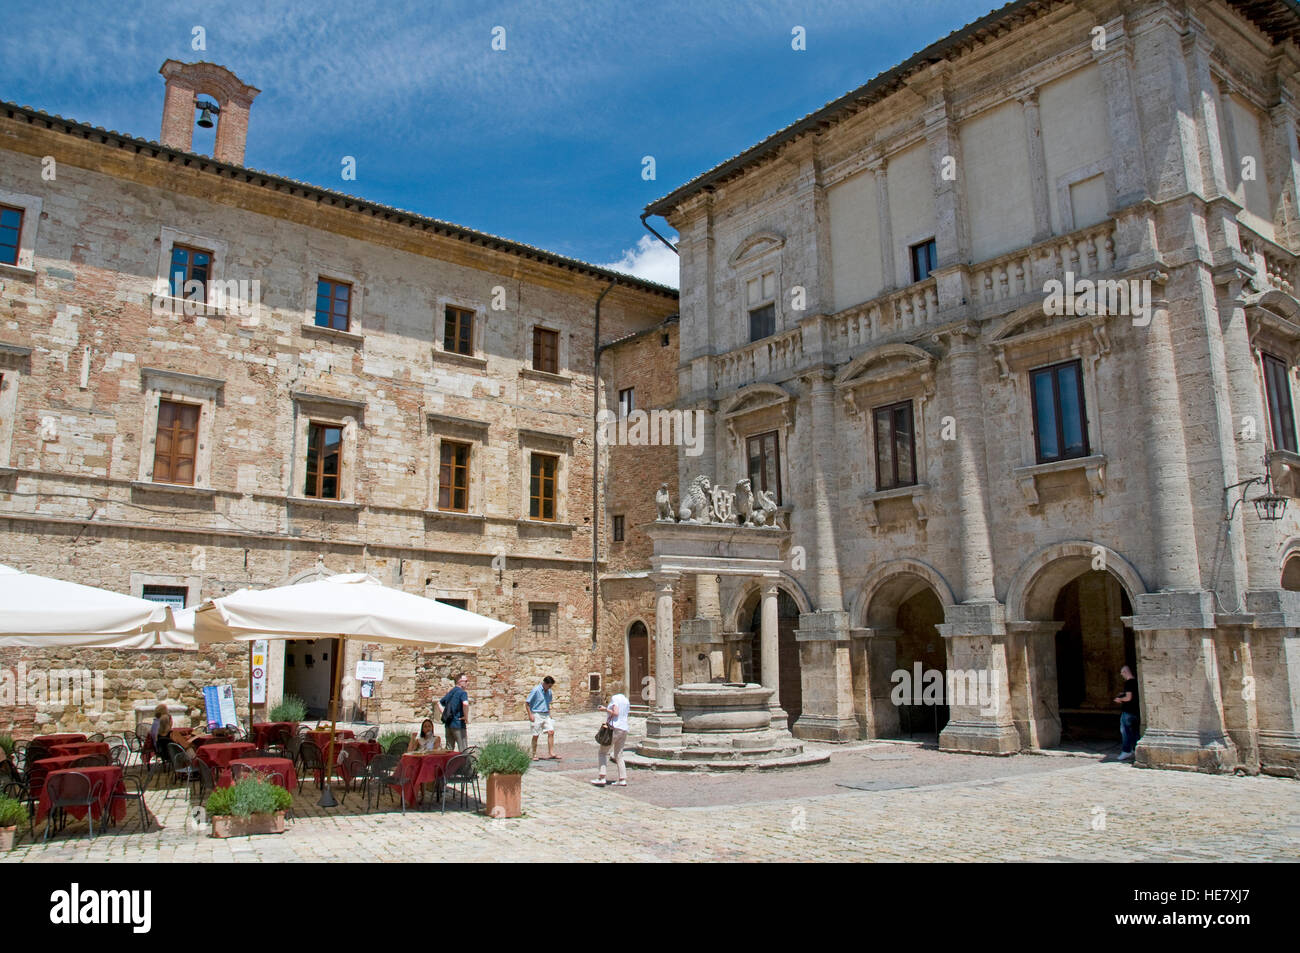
column 504, row 795
column 227, row 825
column 7, row 838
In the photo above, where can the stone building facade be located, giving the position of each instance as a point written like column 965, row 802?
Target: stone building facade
column 378, row 392
column 984, row 472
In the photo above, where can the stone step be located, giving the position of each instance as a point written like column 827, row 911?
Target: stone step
column 721, row 753
column 744, row 764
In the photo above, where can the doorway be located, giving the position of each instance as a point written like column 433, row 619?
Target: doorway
column 638, row 666
column 1091, row 646
column 790, row 676
column 311, row 673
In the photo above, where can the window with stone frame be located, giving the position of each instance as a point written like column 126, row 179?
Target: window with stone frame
column 925, row 258
column 11, row 230
column 543, row 469
column 895, row 435
column 1059, row 412
column 189, row 272
column 626, row 401
column 176, row 443
column 763, row 452
column 324, row 461
column 619, row 528
column 458, row 331
column 455, row 603
column 1281, row 410
column 760, row 303
column 333, row 304
column 546, row 350
column 453, row 476
column 174, row 596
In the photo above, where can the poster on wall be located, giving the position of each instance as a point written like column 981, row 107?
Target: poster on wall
column 259, row 651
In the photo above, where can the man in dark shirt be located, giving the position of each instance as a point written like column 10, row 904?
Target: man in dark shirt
column 455, row 707
column 1127, row 699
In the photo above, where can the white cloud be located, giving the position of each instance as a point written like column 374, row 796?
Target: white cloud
column 651, row 260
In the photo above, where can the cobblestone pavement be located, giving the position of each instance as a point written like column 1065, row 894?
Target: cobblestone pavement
column 875, row 801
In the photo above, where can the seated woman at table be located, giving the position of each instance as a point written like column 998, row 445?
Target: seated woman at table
column 427, row 739
column 161, row 732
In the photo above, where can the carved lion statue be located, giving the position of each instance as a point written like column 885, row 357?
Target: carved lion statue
column 695, row 502
column 765, row 515
column 663, row 503
column 744, row 504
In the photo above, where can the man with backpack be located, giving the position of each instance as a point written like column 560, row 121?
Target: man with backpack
column 455, row 712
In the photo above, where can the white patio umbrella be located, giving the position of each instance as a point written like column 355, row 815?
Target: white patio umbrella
column 347, row 606
column 38, row 612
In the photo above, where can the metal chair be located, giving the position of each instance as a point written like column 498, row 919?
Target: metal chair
column 203, row 778
column 309, row 759
column 236, row 732
column 96, row 738
column 370, row 734
column 385, row 773
column 33, row 753
column 91, row 761
column 182, row 766
column 461, row 772
column 136, row 795
column 398, row 746
column 238, row 770
column 353, row 770
column 70, row 789
column 119, row 756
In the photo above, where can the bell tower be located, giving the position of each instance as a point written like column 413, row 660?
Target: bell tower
column 186, row 84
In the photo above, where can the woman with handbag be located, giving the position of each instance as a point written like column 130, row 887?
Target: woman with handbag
column 610, row 737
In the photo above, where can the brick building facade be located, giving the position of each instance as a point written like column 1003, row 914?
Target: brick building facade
column 379, row 392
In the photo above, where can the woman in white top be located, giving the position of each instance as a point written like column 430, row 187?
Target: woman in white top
column 616, row 713
column 427, row 739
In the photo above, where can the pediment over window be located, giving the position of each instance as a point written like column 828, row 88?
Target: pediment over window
column 756, row 246
column 1029, row 336
column 1273, row 319
column 754, row 398
column 886, row 370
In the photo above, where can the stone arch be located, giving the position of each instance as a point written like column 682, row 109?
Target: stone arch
column 893, row 584
column 314, row 574
column 759, row 395
column 1033, row 591
column 752, row 588
column 904, row 358
column 1290, row 564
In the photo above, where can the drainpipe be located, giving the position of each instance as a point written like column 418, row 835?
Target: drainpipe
column 650, row 229
column 595, row 470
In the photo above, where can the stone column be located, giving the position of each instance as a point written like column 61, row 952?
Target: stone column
column 702, row 636
column 825, row 672
column 1035, row 706
column 874, row 659
column 663, row 725
column 770, row 654
column 969, row 478
column 1284, row 169
column 1038, row 189
column 976, row 638
column 889, row 273
column 1275, row 691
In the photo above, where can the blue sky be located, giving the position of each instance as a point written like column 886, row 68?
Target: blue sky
column 542, row 142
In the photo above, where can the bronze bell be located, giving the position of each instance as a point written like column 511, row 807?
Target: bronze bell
column 205, row 115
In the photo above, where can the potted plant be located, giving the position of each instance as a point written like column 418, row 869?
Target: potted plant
column 503, row 759
column 7, row 746
column 291, row 708
column 12, row 813
column 252, row 805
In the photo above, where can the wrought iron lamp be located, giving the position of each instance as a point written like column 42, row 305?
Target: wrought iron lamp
column 1270, row 507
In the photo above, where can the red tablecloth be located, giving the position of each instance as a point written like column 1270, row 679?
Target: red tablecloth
column 321, row 739
column 48, row 741
column 423, row 769
column 366, row 750
column 282, row 768
column 268, row 732
column 110, row 781
column 80, row 748
column 219, row 755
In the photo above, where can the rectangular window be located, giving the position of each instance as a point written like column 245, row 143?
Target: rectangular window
column 618, row 529
column 11, row 229
column 1281, row 413
column 189, row 273
column 541, row 489
column 333, row 304
column 895, row 446
column 456, row 603
column 626, row 401
column 765, row 464
column 458, row 331
column 173, row 596
column 453, row 477
column 541, row 620
column 324, row 461
column 762, row 322
column 925, row 259
column 176, row 443
column 546, row 350
column 1060, row 422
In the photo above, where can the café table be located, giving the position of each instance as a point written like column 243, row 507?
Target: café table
column 181, row 736
column 420, row 769
column 268, row 732
column 109, row 780
column 41, row 769
column 49, row 741
column 281, row 770
column 218, row 757
column 366, row 750
column 81, row 748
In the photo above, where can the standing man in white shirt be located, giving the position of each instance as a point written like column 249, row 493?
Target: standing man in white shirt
column 616, row 717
